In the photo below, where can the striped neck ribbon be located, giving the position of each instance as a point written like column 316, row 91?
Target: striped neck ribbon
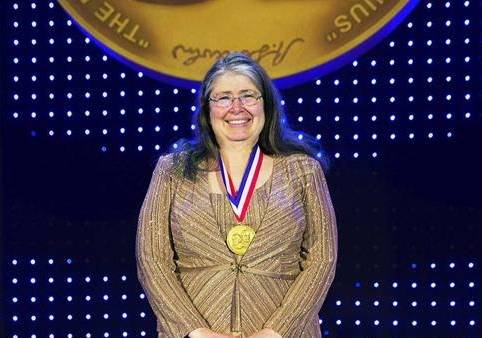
column 241, row 198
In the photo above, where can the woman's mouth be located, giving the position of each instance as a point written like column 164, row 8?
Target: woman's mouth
column 238, row 122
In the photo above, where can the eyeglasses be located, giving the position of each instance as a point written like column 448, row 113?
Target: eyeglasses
column 226, row 100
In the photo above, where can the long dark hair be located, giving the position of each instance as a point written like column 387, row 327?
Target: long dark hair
column 276, row 138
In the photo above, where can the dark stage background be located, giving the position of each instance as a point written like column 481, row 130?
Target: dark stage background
column 401, row 127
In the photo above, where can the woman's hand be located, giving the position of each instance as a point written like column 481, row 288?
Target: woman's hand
column 266, row 333
column 204, row 332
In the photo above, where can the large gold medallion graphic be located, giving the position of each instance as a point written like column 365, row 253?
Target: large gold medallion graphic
column 181, row 39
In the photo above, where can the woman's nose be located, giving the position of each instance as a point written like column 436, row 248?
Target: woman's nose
column 237, row 106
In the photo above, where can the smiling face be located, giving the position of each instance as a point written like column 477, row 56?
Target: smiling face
column 236, row 123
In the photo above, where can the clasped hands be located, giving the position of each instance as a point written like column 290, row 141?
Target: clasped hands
column 207, row 333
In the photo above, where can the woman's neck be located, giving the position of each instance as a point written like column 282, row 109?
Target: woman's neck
column 235, row 156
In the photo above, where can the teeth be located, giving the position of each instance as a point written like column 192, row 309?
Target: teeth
column 237, row 121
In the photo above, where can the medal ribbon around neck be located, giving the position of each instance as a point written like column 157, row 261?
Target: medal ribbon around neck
column 241, row 198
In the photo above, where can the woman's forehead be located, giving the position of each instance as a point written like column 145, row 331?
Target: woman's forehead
column 233, row 83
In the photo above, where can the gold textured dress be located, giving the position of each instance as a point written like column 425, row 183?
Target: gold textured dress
column 193, row 280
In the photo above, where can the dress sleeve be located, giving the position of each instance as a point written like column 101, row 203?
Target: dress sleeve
column 319, row 249
column 175, row 312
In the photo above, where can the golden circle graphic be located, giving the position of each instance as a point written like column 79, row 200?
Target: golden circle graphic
column 292, row 39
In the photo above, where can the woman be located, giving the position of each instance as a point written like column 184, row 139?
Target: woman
column 237, row 234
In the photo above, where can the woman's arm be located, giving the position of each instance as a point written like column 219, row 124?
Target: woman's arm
column 319, row 249
column 173, row 308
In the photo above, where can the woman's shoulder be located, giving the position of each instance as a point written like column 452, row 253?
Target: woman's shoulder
column 170, row 163
column 301, row 162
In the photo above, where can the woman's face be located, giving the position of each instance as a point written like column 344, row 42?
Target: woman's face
column 236, row 123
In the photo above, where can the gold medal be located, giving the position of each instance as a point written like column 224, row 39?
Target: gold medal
column 239, row 238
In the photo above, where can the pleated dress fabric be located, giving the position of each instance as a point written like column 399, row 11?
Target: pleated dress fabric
column 192, row 279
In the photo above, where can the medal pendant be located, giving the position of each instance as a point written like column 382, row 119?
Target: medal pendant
column 239, row 238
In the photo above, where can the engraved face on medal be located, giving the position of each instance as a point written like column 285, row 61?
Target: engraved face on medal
column 239, row 238
column 293, row 40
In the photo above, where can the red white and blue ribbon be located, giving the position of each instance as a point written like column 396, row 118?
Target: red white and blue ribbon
column 240, row 198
